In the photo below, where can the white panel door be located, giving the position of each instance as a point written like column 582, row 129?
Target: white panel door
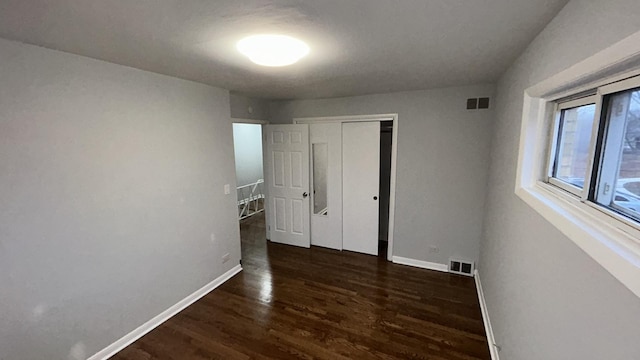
column 287, row 181
column 360, row 186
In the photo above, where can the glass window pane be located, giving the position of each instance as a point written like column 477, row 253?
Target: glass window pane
column 574, row 139
column 627, row 189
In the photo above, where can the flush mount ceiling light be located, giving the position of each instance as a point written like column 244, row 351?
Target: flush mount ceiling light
column 272, row 50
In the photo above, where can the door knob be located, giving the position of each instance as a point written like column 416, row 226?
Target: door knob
column 304, row 194
column 375, row 198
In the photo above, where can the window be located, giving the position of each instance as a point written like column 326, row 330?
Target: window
column 599, row 215
column 575, row 125
column 619, row 176
column 595, row 152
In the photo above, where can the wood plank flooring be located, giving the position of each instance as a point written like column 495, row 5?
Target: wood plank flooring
column 294, row 303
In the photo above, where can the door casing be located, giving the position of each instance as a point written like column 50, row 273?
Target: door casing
column 394, row 157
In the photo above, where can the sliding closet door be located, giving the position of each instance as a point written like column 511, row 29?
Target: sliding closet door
column 360, row 186
column 326, row 185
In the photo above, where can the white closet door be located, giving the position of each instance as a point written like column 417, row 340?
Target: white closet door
column 326, row 208
column 287, row 180
column 360, row 186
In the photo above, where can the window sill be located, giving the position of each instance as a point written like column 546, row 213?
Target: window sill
column 602, row 237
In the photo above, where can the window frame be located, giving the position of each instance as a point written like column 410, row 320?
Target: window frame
column 593, row 177
column 606, row 92
column 555, row 138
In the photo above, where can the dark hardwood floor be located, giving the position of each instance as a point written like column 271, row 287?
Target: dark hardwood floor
column 294, row 303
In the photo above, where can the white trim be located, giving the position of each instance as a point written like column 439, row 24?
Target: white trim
column 595, row 211
column 620, row 86
column 392, row 187
column 554, row 135
column 249, row 121
column 595, row 129
column 570, row 188
column 394, row 159
column 491, row 340
column 350, row 118
column 420, row 264
column 615, row 63
column 156, row 321
column 588, row 100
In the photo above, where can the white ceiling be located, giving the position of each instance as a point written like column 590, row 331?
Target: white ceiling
column 357, row 46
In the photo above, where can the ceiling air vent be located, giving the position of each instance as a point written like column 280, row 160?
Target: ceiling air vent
column 461, row 267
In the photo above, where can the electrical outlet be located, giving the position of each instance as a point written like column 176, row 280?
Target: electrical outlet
column 226, row 257
column 213, row 238
column 434, row 249
column 227, row 189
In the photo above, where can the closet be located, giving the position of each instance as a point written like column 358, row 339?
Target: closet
column 341, row 199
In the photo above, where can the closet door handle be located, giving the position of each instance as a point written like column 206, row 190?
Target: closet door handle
column 304, row 194
column 375, row 198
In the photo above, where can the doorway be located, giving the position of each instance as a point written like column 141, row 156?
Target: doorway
column 247, row 148
column 386, row 142
column 250, row 189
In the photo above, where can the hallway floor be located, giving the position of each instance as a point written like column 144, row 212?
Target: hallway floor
column 296, row 303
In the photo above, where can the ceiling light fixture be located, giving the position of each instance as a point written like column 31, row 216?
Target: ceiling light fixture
column 272, row 50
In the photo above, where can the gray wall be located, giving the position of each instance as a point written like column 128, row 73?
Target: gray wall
column 111, row 184
column 443, row 160
column 547, row 299
column 240, row 104
column 247, row 146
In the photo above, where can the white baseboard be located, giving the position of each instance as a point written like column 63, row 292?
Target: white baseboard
column 143, row 329
column 420, row 264
column 493, row 348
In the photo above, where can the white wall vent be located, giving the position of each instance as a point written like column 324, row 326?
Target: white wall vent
column 461, row 267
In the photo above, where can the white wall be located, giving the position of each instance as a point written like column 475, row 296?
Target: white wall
column 547, row 299
column 247, row 146
column 111, row 184
column 443, row 160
